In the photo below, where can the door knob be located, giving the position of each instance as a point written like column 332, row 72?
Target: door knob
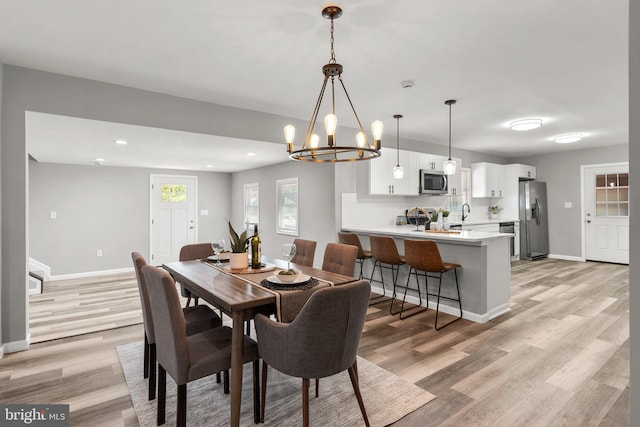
column 588, row 221
column 191, row 227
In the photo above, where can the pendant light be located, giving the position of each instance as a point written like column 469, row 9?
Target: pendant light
column 398, row 171
column 333, row 151
column 449, row 165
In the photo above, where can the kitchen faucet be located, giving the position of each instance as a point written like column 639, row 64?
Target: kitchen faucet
column 468, row 211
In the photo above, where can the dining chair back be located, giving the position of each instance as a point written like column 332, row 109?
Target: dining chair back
column 191, row 252
column 197, row 319
column 188, row 358
column 322, row 341
column 305, row 252
column 340, row 259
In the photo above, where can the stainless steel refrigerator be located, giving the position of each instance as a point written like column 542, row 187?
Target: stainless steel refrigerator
column 534, row 231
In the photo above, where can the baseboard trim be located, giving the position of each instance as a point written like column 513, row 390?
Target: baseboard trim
column 38, row 266
column 455, row 311
column 567, row 257
column 15, row 346
column 90, row 274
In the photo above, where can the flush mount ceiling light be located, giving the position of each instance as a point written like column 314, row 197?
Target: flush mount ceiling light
column 398, row 171
column 121, row 141
column 567, row 139
column 311, row 151
column 525, row 124
column 449, row 165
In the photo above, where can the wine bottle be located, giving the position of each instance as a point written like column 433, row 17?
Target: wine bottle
column 256, row 249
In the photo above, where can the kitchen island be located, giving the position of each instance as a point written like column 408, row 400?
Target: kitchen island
column 484, row 279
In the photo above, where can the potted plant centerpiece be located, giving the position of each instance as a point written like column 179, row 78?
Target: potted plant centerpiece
column 493, row 211
column 445, row 218
column 434, row 220
column 239, row 258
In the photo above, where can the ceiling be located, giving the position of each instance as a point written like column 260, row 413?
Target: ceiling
column 565, row 62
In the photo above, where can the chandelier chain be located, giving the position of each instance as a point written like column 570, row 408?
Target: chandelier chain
column 333, row 53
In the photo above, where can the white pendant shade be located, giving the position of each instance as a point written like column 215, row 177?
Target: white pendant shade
column 398, row 172
column 449, row 167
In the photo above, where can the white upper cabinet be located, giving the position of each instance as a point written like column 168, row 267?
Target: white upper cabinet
column 381, row 180
column 526, row 171
column 430, row 161
column 454, row 182
column 487, row 180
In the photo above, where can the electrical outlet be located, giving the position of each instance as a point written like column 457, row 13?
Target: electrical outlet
column 53, row 215
column 99, row 252
column 204, row 212
column 568, row 205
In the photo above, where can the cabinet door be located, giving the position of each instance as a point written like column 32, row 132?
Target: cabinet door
column 381, row 173
column 409, row 185
column 495, row 180
column 487, row 180
column 455, row 181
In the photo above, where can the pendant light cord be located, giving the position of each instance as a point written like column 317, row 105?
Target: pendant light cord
column 449, row 131
column 397, row 141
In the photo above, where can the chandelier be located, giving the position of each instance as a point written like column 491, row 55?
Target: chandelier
column 311, row 150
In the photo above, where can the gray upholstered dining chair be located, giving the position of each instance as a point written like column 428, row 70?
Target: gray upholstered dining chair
column 188, row 253
column 315, row 344
column 305, row 252
column 354, row 240
column 197, row 319
column 340, row 259
column 188, row 357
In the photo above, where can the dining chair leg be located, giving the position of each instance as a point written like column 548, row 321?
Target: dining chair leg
column 152, row 371
column 263, row 395
column 353, row 376
column 162, row 395
column 145, row 368
column 317, row 386
column 195, row 301
column 256, row 391
column 181, row 413
column 188, row 302
column 218, row 377
column 305, row 402
column 226, row 382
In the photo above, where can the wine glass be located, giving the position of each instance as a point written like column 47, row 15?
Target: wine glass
column 288, row 251
column 218, row 247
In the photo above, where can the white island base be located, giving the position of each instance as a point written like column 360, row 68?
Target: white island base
column 484, row 279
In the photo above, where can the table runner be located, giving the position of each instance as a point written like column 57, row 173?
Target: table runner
column 288, row 302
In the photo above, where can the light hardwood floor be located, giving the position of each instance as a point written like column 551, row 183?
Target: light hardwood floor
column 559, row 357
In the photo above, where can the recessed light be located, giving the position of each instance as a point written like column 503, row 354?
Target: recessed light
column 121, row 141
column 209, row 166
column 567, row 139
column 525, row 124
column 251, row 154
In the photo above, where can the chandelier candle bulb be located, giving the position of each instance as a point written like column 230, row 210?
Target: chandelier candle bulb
column 330, row 123
column 376, row 129
column 289, row 134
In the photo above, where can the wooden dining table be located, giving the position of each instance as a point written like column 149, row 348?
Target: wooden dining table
column 241, row 300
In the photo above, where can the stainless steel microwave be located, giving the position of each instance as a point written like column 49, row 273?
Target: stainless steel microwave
column 433, row 182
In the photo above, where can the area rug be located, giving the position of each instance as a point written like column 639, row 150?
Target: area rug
column 387, row 397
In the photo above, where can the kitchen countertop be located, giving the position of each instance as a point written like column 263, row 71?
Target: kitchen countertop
column 463, row 237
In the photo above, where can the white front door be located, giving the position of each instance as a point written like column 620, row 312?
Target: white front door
column 173, row 204
column 606, row 212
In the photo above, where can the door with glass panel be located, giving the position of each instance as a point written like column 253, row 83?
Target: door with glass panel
column 173, row 204
column 606, row 207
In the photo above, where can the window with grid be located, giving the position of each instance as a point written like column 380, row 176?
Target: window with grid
column 612, row 195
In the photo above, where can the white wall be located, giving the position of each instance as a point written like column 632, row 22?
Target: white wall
column 107, row 208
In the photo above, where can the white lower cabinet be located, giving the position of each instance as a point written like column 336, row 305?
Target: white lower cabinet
column 494, row 227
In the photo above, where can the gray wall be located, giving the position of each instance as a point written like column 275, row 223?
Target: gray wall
column 316, row 208
column 561, row 172
column 634, row 166
column 101, row 207
column 1, row 209
column 32, row 90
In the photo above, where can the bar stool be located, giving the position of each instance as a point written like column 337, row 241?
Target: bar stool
column 424, row 256
column 384, row 251
column 352, row 239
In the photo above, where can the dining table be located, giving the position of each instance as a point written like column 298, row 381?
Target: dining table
column 240, row 295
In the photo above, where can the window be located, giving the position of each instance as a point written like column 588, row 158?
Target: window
column 612, row 194
column 287, row 204
column 174, row 193
column 252, row 203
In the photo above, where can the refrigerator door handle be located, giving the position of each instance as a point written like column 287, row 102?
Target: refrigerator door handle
column 537, row 209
